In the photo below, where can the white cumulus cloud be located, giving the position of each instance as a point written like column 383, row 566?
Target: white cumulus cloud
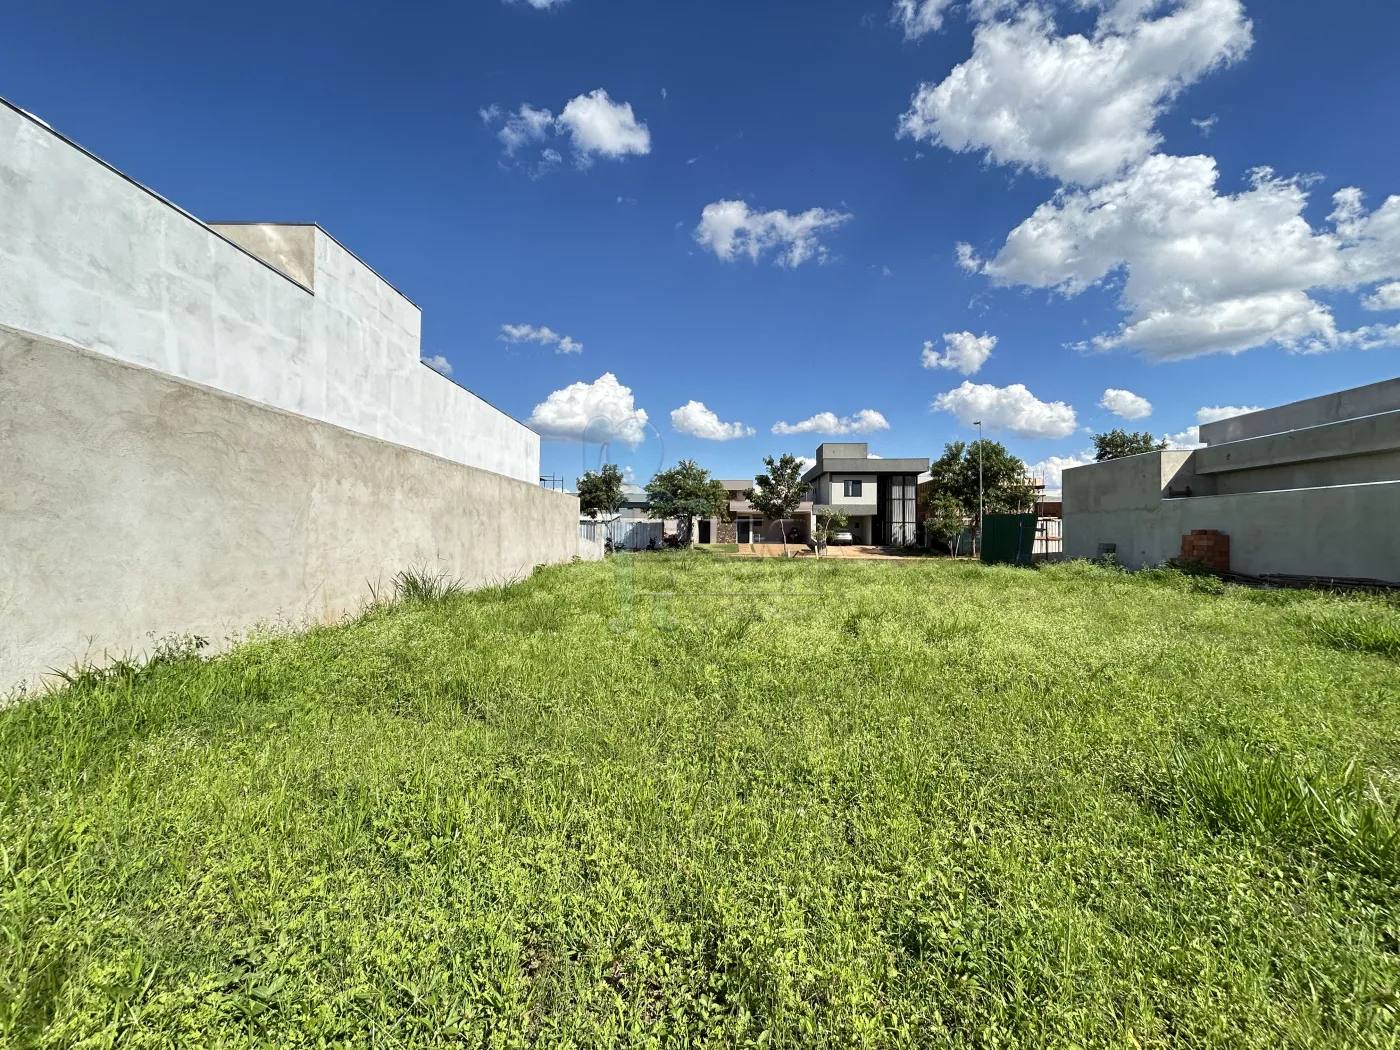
column 1126, row 404
column 963, row 351
column 1010, row 408
column 1205, row 272
column 1080, row 108
column 1184, row 440
column 731, row 228
column 597, row 412
column 1191, row 437
column 866, row 421
column 919, row 17
column 544, row 335
column 524, row 126
column 438, row 364
column 598, row 125
column 595, row 124
column 1216, row 413
column 1197, row 271
column 695, row 419
column 1386, row 297
column 539, row 5
column 1052, row 469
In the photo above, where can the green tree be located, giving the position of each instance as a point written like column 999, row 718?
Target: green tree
column 686, row 492
column 778, row 491
column 829, row 520
column 944, row 518
column 600, row 492
column 953, row 489
column 1119, row 443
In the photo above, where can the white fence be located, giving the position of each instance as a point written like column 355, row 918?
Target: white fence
column 627, row 534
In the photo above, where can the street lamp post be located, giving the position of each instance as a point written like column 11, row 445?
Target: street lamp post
column 978, row 425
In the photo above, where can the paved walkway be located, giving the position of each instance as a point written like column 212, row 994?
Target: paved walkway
column 859, row 551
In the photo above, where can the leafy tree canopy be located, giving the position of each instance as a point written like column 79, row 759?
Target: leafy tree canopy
column 600, row 492
column 686, row 492
column 1007, row 488
column 778, row 491
column 1119, row 443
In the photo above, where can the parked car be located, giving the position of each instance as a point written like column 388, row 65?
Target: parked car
column 842, row 538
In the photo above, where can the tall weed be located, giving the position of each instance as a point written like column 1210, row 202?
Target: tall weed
column 420, row 584
column 1356, row 626
column 1269, row 796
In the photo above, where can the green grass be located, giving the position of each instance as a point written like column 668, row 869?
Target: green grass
column 787, row 804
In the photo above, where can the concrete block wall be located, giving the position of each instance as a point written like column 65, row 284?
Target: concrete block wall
column 1335, row 530
column 286, row 316
column 136, row 505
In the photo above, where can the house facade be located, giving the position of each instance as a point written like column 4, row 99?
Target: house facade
column 747, row 524
column 880, row 497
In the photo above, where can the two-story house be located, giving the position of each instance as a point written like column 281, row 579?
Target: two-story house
column 880, row 497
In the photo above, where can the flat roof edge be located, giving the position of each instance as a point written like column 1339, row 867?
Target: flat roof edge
column 46, row 126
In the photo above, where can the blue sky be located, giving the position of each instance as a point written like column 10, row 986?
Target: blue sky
column 830, row 252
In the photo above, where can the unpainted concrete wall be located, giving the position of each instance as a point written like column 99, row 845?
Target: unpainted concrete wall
column 1328, row 408
column 91, row 258
column 135, row 505
column 1325, row 447
column 1340, row 530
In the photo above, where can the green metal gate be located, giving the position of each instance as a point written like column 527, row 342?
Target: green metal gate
column 1008, row 538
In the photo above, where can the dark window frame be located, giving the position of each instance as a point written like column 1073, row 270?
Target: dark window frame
column 853, row 488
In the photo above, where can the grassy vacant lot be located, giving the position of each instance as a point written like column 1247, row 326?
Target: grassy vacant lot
column 935, row 805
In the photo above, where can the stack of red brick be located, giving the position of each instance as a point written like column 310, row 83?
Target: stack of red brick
column 1207, row 547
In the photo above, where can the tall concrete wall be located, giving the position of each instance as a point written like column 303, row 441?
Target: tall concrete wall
column 1337, row 530
column 1314, row 411
column 286, row 317
column 135, row 505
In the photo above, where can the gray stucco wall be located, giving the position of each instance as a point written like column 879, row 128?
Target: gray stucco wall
column 1339, row 530
column 135, row 505
column 91, row 258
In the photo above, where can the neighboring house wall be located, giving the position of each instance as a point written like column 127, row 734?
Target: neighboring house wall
column 138, row 505
column 1343, row 404
column 1317, row 501
column 761, row 528
column 194, row 439
column 90, row 258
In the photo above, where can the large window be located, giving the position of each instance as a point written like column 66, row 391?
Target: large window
column 853, row 488
column 896, row 517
